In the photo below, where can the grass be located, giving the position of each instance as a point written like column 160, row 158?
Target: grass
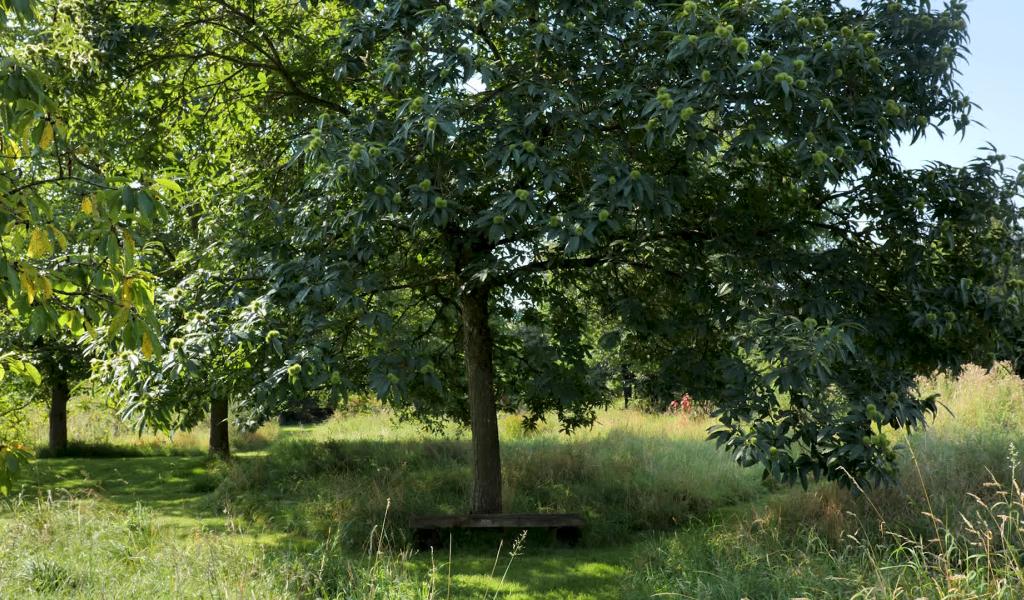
column 319, row 513
column 343, row 474
column 950, row 528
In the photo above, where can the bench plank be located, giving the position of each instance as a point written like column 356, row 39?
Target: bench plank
column 427, row 529
column 497, row 521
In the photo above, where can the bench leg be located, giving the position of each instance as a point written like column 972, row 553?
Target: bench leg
column 570, row 536
column 425, row 539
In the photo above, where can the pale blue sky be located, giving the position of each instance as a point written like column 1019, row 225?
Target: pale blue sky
column 994, row 78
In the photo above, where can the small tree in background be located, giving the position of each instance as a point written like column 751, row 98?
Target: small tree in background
column 73, row 210
column 62, row 365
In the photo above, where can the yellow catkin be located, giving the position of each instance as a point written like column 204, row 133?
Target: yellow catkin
column 27, row 286
column 147, row 345
column 62, row 240
column 126, row 292
column 39, row 245
column 87, row 206
column 46, row 137
column 47, row 288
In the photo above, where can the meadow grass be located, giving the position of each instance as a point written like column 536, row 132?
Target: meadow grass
column 951, row 527
column 630, row 473
column 320, row 512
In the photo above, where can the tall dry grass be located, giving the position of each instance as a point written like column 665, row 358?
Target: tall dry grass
column 951, row 528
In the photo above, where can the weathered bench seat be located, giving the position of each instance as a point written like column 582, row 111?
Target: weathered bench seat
column 427, row 529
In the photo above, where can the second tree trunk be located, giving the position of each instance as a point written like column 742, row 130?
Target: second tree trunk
column 60, row 391
column 219, row 443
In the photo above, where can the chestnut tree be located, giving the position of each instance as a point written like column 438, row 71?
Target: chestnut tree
column 474, row 181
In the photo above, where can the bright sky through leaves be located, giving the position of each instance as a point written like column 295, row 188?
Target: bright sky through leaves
column 993, row 76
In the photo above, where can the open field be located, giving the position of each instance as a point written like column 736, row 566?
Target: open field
column 318, row 512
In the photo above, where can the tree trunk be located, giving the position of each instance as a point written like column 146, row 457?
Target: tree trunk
column 219, row 443
column 627, row 386
column 60, row 391
column 483, row 409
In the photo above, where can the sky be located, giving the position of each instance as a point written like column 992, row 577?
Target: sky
column 994, row 79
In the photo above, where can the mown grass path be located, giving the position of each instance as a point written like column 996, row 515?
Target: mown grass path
column 175, row 491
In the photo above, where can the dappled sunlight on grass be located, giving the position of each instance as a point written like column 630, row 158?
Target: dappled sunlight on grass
column 174, row 489
column 335, row 479
column 551, row 573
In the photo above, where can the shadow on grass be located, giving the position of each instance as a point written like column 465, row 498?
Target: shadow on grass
column 107, row 450
column 303, row 492
column 176, row 489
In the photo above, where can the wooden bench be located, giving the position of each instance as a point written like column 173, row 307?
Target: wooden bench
column 427, row 529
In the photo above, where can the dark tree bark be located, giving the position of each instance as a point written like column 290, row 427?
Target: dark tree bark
column 60, row 392
column 483, row 409
column 627, row 386
column 220, row 445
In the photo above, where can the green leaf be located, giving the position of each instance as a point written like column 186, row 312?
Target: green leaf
column 146, row 205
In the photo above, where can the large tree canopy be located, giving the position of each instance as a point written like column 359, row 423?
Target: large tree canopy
column 460, row 189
